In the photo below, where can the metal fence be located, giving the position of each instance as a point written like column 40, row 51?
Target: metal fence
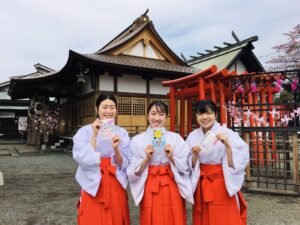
column 274, row 161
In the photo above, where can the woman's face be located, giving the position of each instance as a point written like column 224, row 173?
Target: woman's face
column 107, row 109
column 156, row 118
column 206, row 120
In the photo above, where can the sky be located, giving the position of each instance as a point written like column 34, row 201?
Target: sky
column 43, row 31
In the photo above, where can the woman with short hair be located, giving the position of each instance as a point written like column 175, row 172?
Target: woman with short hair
column 218, row 161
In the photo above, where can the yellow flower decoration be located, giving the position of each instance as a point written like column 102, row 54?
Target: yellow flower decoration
column 157, row 134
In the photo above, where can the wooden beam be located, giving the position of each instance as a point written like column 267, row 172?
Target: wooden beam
column 194, row 76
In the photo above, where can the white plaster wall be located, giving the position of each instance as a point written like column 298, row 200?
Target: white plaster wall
column 157, row 88
column 131, row 84
column 150, row 53
column 240, row 67
column 106, row 83
column 137, row 50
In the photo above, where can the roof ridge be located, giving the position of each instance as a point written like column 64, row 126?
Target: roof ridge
column 138, row 23
column 220, row 49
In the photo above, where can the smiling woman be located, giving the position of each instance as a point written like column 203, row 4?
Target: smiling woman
column 102, row 166
column 217, row 170
column 158, row 173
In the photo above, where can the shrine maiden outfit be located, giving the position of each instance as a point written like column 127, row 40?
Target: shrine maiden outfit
column 216, row 186
column 162, row 187
column 103, row 197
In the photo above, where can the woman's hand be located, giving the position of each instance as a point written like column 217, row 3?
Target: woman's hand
column 196, row 150
column 149, row 152
column 115, row 142
column 169, row 152
column 96, row 126
column 195, row 154
column 223, row 138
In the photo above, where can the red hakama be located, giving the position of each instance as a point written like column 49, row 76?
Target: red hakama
column 213, row 205
column 110, row 205
column 162, row 203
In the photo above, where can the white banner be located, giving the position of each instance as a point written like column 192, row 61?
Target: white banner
column 22, row 123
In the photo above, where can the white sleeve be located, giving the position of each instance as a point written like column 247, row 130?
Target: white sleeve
column 136, row 182
column 194, row 172
column 181, row 169
column 234, row 177
column 125, row 149
column 240, row 153
column 83, row 152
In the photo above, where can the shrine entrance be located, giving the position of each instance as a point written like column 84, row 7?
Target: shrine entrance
column 250, row 104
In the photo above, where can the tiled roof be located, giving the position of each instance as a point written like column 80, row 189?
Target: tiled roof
column 122, row 38
column 132, row 61
column 32, row 76
column 221, row 50
column 141, row 23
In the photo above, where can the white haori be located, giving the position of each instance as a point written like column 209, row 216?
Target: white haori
column 88, row 173
column 234, row 177
column 180, row 169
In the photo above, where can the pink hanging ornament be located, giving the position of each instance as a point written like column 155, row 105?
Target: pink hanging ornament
column 277, row 88
column 294, row 83
column 279, row 82
column 297, row 111
column 285, row 120
column 253, row 87
column 240, row 89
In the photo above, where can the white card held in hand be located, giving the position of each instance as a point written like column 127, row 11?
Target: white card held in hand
column 208, row 142
column 158, row 138
column 107, row 128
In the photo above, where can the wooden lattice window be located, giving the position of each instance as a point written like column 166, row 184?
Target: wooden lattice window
column 139, row 106
column 124, row 106
column 131, row 106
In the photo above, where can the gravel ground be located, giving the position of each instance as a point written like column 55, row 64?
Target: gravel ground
column 42, row 190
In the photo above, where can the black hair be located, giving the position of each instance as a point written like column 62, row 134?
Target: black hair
column 204, row 106
column 103, row 97
column 160, row 106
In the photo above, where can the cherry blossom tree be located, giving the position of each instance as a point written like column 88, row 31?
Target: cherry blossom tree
column 287, row 55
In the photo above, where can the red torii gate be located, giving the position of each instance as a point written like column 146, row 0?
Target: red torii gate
column 217, row 86
column 207, row 83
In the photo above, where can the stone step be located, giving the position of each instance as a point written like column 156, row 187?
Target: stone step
column 4, row 151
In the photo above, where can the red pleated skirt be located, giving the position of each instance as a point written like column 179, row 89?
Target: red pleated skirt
column 213, row 205
column 110, row 205
column 162, row 203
